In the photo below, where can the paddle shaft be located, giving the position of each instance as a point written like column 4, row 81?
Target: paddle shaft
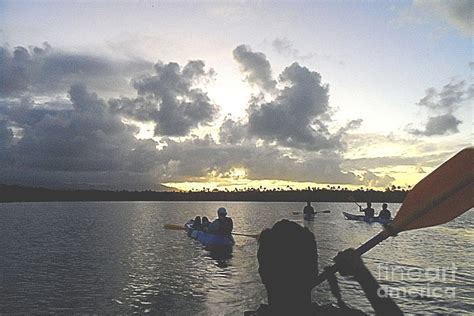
column 371, row 243
column 179, row 227
column 317, row 212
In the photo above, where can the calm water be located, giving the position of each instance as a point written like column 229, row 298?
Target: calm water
column 115, row 257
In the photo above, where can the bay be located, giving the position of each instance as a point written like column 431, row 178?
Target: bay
column 116, row 257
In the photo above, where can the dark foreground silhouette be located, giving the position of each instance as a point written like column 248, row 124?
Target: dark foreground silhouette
column 288, row 264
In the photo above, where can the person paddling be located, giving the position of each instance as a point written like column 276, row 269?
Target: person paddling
column 197, row 223
column 223, row 225
column 368, row 211
column 205, row 224
column 385, row 213
column 308, row 209
column 288, row 264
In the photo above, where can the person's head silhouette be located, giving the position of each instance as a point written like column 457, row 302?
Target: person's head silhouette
column 288, row 263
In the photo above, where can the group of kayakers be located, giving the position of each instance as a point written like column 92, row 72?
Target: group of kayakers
column 223, row 225
column 370, row 212
column 288, row 265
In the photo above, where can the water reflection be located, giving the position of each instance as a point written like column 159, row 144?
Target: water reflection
column 222, row 257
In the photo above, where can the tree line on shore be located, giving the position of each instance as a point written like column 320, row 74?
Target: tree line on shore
column 12, row 193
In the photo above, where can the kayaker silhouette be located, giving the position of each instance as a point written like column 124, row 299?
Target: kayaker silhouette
column 288, row 264
column 205, row 223
column 308, row 209
column 385, row 213
column 223, row 225
column 368, row 211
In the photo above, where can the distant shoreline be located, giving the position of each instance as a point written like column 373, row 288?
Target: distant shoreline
column 23, row 194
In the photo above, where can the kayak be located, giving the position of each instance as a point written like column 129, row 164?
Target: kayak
column 353, row 217
column 309, row 217
column 209, row 240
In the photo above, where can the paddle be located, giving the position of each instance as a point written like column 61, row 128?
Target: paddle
column 353, row 200
column 440, row 197
column 180, row 227
column 317, row 212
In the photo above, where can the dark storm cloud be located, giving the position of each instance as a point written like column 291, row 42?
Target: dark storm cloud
column 446, row 101
column 171, row 99
column 297, row 116
column 80, row 142
column 256, row 66
column 45, row 70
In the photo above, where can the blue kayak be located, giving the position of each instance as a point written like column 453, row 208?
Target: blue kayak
column 207, row 239
column 361, row 218
column 309, row 217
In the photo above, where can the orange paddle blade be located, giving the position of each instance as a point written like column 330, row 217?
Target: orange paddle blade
column 444, row 194
column 173, row 226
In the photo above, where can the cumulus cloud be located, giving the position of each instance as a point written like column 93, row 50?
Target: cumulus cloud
column 84, row 142
column 170, row 98
column 232, row 132
column 256, row 66
column 45, row 70
column 446, row 101
column 297, row 116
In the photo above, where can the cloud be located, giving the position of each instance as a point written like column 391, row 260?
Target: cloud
column 455, row 13
column 427, row 160
column 232, row 132
column 297, row 116
column 195, row 159
column 372, row 180
column 82, row 143
column 256, row 66
column 45, row 70
column 439, row 125
column 447, row 100
column 284, row 47
column 171, row 99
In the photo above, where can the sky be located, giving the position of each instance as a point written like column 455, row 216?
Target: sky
column 239, row 94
